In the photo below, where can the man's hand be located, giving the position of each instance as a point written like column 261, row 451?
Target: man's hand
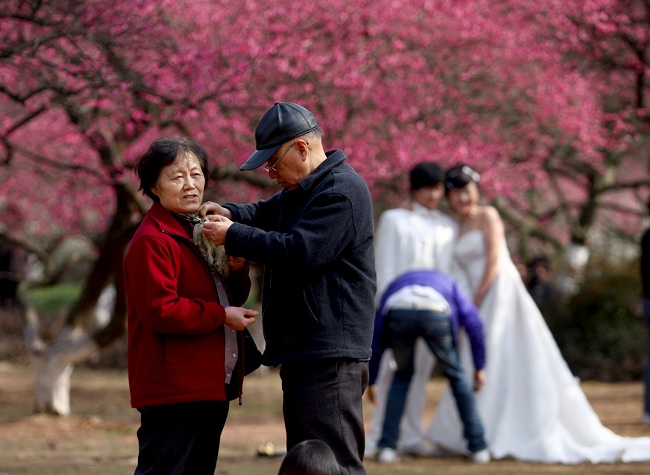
column 209, row 207
column 479, row 379
column 239, row 318
column 372, row 393
column 216, row 228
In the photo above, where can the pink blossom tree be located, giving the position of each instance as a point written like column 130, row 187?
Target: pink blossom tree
column 86, row 86
column 547, row 99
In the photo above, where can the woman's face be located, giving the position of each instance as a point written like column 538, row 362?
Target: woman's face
column 465, row 199
column 180, row 185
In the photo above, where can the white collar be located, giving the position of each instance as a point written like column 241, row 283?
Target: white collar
column 419, row 209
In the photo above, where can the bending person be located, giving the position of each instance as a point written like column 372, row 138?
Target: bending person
column 418, row 236
column 430, row 305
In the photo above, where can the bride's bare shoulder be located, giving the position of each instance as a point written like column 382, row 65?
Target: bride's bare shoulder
column 489, row 213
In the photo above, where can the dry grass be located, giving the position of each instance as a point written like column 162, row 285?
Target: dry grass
column 99, row 438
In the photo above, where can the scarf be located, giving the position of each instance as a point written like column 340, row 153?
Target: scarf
column 214, row 255
column 217, row 260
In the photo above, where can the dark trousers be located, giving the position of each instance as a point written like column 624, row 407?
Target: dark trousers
column 404, row 327
column 180, row 438
column 323, row 400
column 646, row 373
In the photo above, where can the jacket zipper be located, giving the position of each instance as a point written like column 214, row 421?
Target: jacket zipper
column 205, row 265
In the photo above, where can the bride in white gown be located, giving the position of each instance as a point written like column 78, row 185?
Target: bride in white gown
column 532, row 406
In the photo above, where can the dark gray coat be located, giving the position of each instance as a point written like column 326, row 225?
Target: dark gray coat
column 316, row 243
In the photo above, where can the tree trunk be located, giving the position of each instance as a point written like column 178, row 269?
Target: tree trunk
column 53, row 371
column 54, row 361
column 52, row 386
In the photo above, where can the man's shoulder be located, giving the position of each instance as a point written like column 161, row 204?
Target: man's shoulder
column 401, row 214
column 395, row 213
column 397, row 219
column 344, row 180
column 345, row 171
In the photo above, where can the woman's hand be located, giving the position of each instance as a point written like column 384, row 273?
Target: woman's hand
column 478, row 299
column 236, row 263
column 239, row 318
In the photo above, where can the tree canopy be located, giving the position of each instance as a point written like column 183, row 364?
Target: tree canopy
column 547, row 99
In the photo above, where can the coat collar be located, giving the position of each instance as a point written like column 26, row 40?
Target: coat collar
column 167, row 222
column 334, row 158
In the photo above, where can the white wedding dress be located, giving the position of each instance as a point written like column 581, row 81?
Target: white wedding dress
column 532, row 407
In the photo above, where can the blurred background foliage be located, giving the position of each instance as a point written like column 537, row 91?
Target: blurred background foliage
column 53, row 299
column 600, row 329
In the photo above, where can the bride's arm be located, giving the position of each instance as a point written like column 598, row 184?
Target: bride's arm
column 492, row 228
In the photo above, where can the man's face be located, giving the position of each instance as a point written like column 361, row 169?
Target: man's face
column 429, row 196
column 286, row 165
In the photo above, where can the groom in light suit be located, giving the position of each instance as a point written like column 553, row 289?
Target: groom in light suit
column 406, row 240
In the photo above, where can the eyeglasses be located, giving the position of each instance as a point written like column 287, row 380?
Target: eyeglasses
column 271, row 168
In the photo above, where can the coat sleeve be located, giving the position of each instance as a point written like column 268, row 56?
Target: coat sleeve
column 164, row 301
column 263, row 214
column 238, row 285
column 305, row 245
column 469, row 319
column 378, row 347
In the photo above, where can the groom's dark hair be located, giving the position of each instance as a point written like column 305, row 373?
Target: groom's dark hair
column 426, row 174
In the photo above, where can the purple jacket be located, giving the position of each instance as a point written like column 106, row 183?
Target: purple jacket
column 463, row 313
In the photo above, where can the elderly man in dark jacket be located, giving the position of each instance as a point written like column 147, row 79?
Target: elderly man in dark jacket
column 315, row 239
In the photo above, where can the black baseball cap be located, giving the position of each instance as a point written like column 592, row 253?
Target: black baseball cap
column 282, row 122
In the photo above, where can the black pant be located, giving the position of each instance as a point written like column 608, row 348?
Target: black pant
column 323, row 400
column 180, row 438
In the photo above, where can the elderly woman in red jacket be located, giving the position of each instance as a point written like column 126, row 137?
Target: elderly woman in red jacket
column 184, row 359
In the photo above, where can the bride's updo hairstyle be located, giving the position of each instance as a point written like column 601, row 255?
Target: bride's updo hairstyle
column 460, row 176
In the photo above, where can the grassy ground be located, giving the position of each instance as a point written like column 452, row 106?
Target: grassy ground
column 99, row 437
